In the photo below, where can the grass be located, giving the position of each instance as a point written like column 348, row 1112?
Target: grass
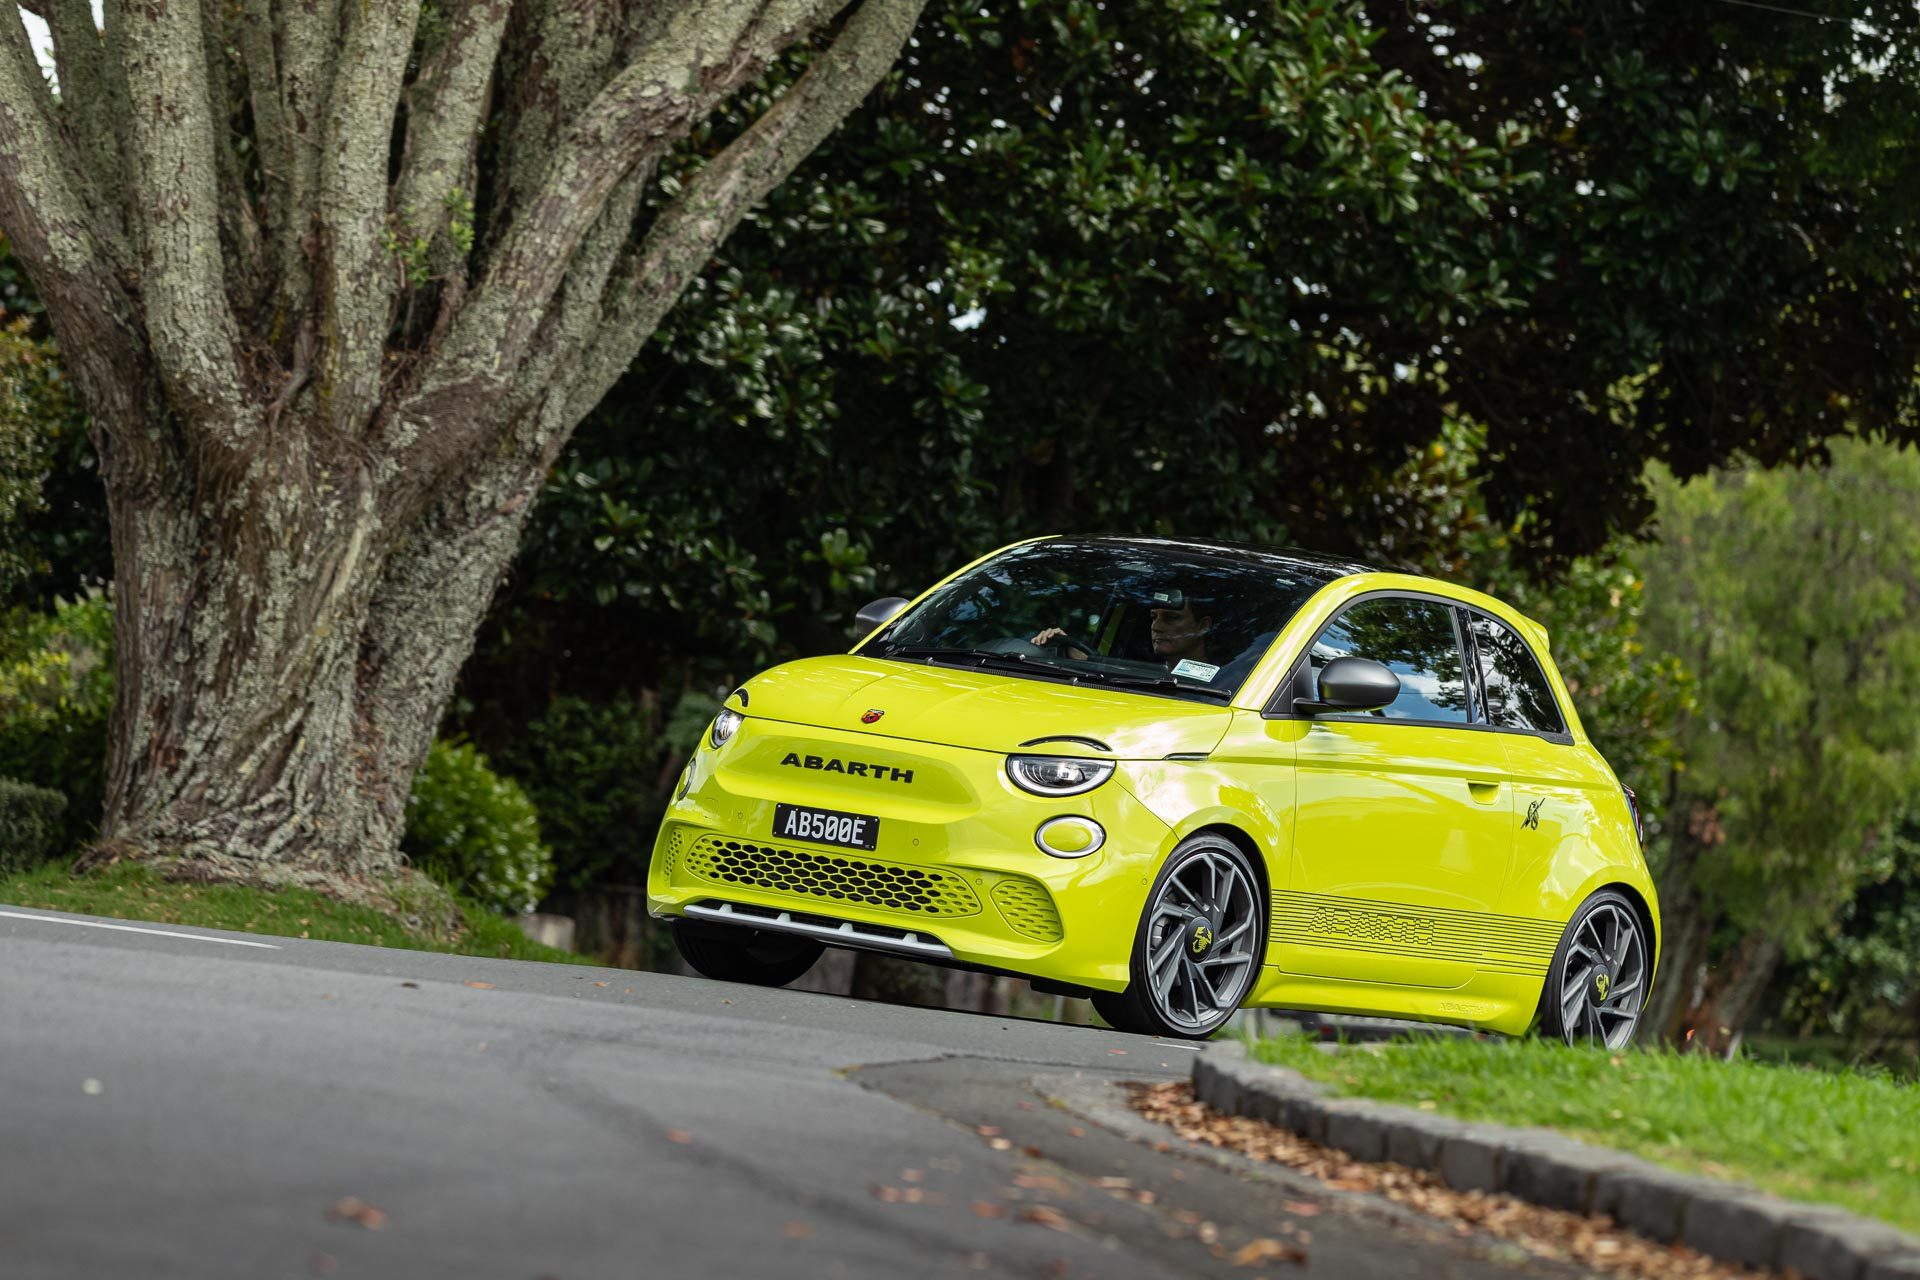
column 1845, row 1138
column 128, row 891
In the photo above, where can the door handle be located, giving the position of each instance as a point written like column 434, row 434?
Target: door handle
column 1485, row 790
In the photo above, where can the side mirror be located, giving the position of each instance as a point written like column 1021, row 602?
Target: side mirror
column 1351, row 684
column 877, row 615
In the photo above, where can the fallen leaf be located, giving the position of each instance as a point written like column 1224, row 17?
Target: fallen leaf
column 1044, row 1215
column 1076, row 1132
column 481, row 986
column 680, row 1136
column 354, row 1209
column 726, row 1002
column 1114, row 1184
column 912, row 1175
column 414, row 985
column 1032, row 1153
column 627, row 991
column 1255, row 1252
column 1000, row 1144
column 988, row 1131
column 1121, row 1052
column 1040, row 1182
column 602, row 984
column 1023, row 1106
column 1300, row 1208
column 987, row 1209
column 796, row 1230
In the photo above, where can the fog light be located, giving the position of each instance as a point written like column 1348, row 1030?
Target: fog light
column 1070, row 837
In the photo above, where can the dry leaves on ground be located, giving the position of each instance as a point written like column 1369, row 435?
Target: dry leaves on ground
column 354, row 1209
column 1545, row 1233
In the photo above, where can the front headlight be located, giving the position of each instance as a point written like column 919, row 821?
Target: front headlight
column 724, row 726
column 1057, row 775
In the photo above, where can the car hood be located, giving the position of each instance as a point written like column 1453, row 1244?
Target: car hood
column 983, row 710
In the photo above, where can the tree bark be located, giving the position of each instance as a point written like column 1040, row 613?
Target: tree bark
column 325, row 388
column 1732, row 987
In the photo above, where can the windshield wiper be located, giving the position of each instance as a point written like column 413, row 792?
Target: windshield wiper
column 1124, row 681
column 979, row 656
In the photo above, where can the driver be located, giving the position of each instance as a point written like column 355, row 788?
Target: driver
column 1178, row 631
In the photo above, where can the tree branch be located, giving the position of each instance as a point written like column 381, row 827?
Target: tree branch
column 255, row 30
column 49, row 229
column 238, row 223
column 443, row 111
column 702, row 56
column 308, row 32
column 358, row 276
column 171, row 142
column 713, row 201
column 87, row 88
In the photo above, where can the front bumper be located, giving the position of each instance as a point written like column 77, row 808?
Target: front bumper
column 955, row 877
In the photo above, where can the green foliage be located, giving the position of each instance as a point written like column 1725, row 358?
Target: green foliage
column 475, row 831
column 593, row 771
column 35, row 402
column 1231, row 271
column 1845, row 1138
column 53, row 525
column 1791, row 595
column 30, row 828
column 56, row 695
column 1861, row 985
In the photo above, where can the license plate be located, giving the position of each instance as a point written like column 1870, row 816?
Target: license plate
column 826, row 826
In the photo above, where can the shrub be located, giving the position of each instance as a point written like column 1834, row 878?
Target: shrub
column 56, row 694
column 476, row 832
column 30, row 828
column 593, row 769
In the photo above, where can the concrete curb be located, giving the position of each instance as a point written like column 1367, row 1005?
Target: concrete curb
column 1725, row 1220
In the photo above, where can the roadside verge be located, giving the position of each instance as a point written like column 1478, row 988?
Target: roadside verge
column 1724, row 1220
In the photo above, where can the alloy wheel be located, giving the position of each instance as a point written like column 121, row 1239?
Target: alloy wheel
column 1604, row 980
column 1201, row 928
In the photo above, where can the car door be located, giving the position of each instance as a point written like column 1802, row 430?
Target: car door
column 1403, row 822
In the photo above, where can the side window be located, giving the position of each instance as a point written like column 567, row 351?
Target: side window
column 1518, row 695
column 1416, row 640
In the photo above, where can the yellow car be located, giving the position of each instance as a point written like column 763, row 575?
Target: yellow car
column 1179, row 778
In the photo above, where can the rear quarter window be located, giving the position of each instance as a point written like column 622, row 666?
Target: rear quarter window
column 1517, row 693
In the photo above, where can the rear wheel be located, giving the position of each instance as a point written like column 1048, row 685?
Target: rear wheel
column 1597, row 985
column 731, row 954
column 1198, row 945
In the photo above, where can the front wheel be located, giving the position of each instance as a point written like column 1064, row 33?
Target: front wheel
column 1198, row 945
column 1597, row 985
column 728, row 953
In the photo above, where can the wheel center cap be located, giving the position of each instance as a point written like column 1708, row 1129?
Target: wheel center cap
column 1200, row 940
column 1602, row 984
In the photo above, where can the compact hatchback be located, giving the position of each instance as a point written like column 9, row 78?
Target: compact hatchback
column 1179, row 778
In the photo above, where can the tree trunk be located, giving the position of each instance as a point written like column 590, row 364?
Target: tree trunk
column 285, row 651
column 325, row 385
column 1732, row 987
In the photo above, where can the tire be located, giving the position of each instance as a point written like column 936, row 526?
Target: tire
column 1596, row 988
column 730, row 954
column 1202, row 933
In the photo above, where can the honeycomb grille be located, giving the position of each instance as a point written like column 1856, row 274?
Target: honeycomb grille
column 676, row 840
column 921, row 891
column 1028, row 908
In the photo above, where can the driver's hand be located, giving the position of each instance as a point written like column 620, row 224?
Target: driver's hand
column 1052, row 633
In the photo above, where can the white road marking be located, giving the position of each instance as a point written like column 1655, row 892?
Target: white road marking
column 129, row 928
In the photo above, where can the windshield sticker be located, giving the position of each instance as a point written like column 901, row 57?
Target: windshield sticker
column 1195, row 670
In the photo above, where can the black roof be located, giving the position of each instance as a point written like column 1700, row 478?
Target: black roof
column 1307, row 563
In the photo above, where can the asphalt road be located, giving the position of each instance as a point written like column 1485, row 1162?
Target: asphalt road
column 186, row 1106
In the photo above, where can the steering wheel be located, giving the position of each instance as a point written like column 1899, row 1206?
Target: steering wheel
column 1062, row 643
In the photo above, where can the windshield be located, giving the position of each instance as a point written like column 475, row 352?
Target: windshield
column 1164, row 619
